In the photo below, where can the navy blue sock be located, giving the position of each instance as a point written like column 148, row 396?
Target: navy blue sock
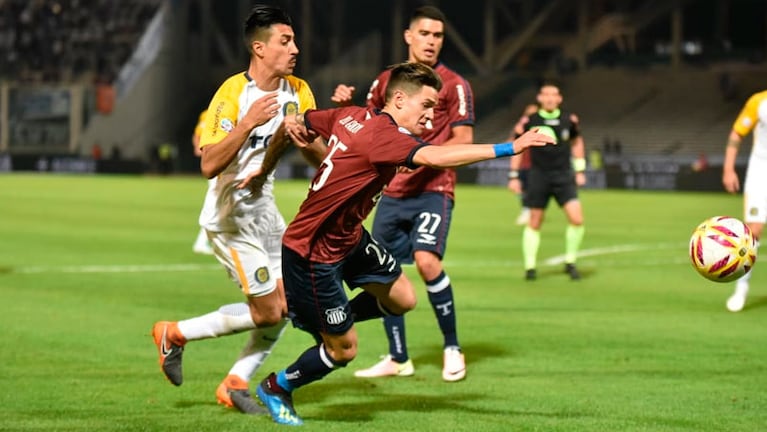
column 365, row 306
column 441, row 299
column 395, row 332
column 313, row 365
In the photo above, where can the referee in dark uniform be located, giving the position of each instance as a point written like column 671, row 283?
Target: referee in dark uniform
column 556, row 171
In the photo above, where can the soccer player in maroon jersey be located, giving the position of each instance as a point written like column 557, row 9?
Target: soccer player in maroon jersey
column 326, row 244
column 413, row 217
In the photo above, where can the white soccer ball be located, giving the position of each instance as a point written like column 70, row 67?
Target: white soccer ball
column 722, row 249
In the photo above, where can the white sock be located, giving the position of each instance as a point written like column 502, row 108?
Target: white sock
column 257, row 349
column 228, row 319
column 741, row 285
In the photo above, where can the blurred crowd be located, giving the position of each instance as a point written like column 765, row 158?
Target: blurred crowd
column 69, row 40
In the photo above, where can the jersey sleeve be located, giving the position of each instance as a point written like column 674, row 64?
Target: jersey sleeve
column 320, row 121
column 200, row 124
column 461, row 103
column 376, row 94
column 222, row 112
column 748, row 117
column 306, row 99
column 575, row 126
column 398, row 149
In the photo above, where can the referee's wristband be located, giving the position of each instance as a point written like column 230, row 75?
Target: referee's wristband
column 513, row 174
column 579, row 164
column 503, row 149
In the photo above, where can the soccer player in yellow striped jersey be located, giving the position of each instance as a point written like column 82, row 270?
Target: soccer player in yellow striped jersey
column 752, row 118
column 243, row 223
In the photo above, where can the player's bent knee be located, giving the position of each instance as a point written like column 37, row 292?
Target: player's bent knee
column 268, row 320
column 266, row 314
column 342, row 357
column 342, row 349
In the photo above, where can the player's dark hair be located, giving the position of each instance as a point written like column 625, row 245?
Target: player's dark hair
column 410, row 77
column 429, row 12
column 261, row 18
column 549, row 82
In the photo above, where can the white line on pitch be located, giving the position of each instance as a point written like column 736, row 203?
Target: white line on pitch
column 147, row 268
column 560, row 259
column 556, row 260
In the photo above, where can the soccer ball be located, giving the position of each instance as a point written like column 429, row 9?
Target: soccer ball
column 722, row 249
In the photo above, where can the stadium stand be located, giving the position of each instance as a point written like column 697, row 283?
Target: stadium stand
column 657, row 111
column 69, row 40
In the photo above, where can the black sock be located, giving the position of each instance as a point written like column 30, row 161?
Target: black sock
column 395, row 332
column 365, row 307
column 313, row 365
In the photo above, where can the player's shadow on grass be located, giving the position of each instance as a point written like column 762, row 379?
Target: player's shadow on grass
column 474, row 353
column 558, row 272
column 755, row 303
column 369, row 403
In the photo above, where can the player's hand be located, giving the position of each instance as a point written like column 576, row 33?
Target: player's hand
column 515, row 185
column 531, row 138
column 298, row 133
column 343, row 95
column 262, row 110
column 730, row 181
column 580, row 178
column 254, row 181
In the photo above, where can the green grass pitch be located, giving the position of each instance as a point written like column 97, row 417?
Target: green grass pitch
column 642, row 343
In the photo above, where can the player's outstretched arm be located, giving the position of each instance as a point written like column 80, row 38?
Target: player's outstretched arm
column 464, row 154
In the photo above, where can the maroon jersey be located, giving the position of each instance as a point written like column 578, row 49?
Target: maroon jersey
column 455, row 108
column 364, row 150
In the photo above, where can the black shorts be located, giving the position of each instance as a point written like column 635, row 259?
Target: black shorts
column 317, row 301
column 542, row 185
column 405, row 225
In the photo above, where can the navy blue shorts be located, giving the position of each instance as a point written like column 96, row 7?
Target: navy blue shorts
column 317, row 301
column 405, row 225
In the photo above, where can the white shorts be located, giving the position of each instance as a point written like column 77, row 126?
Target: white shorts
column 253, row 255
column 755, row 192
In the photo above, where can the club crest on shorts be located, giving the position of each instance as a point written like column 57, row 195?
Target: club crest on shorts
column 290, row 108
column 335, row 316
column 262, row 274
column 753, row 211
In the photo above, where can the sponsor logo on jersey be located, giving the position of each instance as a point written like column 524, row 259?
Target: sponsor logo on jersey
column 262, row 274
column 335, row 316
column 545, row 130
column 290, row 108
column 226, row 125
